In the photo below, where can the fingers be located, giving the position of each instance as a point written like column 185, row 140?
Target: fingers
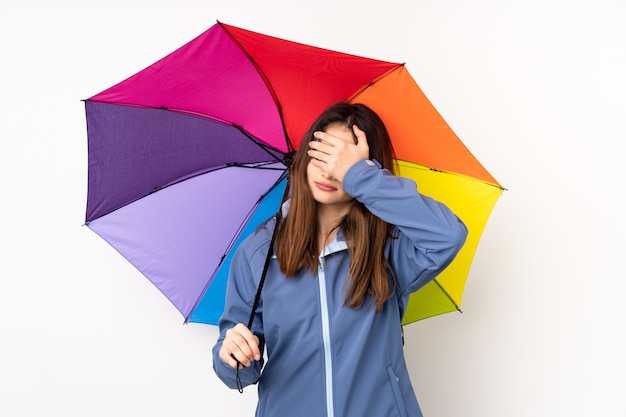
column 360, row 136
column 241, row 345
column 335, row 155
column 328, row 144
column 362, row 147
column 324, row 143
column 323, row 137
column 327, row 147
column 319, row 151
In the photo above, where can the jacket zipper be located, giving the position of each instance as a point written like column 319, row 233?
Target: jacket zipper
column 333, row 247
column 328, row 365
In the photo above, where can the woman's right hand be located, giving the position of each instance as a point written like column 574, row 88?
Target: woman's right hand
column 240, row 343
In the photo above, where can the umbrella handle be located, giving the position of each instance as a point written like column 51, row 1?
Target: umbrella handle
column 256, row 303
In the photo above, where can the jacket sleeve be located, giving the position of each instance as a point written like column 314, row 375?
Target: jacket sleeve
column 240, row 292
column 428, row 234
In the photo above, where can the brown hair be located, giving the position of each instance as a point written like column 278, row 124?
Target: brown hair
column 365, row 234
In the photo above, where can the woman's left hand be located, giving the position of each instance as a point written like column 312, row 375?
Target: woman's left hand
column 335, row 155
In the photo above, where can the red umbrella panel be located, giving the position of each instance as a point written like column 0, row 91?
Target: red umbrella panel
column 189, row 155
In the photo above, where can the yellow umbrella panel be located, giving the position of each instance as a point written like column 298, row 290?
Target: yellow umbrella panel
column 470, row 199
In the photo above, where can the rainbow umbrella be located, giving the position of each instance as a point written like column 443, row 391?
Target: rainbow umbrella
column 188, row 156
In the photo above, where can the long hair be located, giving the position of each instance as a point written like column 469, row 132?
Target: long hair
column 296, row 240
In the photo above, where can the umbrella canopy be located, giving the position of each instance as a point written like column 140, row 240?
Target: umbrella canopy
column 188, row 156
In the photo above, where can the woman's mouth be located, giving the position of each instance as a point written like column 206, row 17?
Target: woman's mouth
column 325, row 187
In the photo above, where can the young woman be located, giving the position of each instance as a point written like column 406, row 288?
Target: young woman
column 352, row 243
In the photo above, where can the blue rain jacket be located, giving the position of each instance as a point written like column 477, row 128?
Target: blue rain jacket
column 325, row 359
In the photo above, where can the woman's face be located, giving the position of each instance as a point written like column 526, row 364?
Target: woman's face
column 325, row 189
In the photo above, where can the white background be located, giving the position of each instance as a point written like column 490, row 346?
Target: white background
column 534, row 88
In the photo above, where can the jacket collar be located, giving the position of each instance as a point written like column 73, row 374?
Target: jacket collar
column 336, row 245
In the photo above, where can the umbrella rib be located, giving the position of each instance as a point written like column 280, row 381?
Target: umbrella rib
column 256, row 165
column 443, row 171
column 257, row 142
column 371, row 83
column 240, row 128
column 266, row 81
column 268, row 149
column 249, row 215
column 266, row 165
column 443, row 290
column 234, row 239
